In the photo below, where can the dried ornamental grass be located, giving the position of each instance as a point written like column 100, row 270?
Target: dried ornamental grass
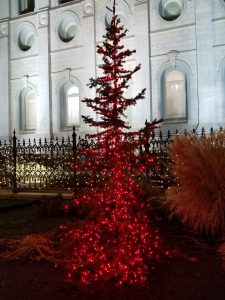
column 199, row 197
column 31, row 247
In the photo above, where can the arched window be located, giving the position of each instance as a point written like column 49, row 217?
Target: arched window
column 175, row 95
column 69, row 105
column 173, row 89
column 28, row 109
column 73, row 106
column 26, row 6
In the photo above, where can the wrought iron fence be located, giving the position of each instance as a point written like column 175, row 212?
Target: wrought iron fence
column 46, row 164
column 38, row 165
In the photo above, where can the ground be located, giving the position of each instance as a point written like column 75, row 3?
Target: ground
column 193, row 272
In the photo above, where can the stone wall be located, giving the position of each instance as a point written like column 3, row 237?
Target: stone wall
column 195, row 40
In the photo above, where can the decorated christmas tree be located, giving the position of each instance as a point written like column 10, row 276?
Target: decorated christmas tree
column 116, row 242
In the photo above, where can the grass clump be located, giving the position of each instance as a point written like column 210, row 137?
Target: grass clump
column 30, row 247
column 198, row 198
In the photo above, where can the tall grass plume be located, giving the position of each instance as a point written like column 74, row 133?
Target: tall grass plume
column 198, row 198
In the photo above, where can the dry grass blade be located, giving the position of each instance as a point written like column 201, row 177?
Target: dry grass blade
column 31, row 247
column 199, row 198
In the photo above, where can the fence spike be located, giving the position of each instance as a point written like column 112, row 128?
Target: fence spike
column 203, row 132
column 74, row 136
column 14, row 148
column 168, row 134
column 74, row 141
column 153, row 134
column 211, row 130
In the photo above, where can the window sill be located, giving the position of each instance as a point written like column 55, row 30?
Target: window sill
column 27, row 11
column 69, row 128
column 175, row 121
column 28, row 131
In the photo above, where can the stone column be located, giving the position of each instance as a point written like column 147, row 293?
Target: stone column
column 142, row 77
column 204, row 39
column 43, row 103
column 89, row 54
column 4, row 81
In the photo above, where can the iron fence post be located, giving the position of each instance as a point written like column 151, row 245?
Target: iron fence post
column 14, row 152
column 146, row 144
column 74, row 145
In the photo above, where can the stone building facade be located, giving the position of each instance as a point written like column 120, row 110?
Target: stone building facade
column 48, row 54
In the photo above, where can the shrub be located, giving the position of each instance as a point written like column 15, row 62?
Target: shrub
column 198, row 199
